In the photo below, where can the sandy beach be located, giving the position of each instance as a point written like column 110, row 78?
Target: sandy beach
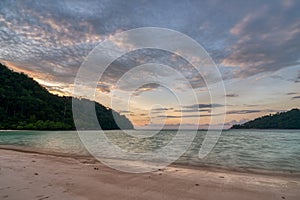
column 39, row 176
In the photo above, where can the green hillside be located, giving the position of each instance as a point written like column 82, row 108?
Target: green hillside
column 283, row 120
column 24, row 104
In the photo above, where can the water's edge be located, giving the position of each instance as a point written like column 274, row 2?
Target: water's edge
column 238, row 150
column 91, row 160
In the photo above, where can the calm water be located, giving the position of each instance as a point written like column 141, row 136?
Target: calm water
column 277, row 150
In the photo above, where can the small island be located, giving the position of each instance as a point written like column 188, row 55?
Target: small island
column 280, row 120
column 26, row 105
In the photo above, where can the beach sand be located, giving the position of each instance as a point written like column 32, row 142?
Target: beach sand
column 36, row 176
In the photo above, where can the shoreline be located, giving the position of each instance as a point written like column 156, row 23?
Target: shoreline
column 42, row 176
column 91, row 159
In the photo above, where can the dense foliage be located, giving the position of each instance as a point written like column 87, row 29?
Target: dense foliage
column 284, row 120
column 24, row 104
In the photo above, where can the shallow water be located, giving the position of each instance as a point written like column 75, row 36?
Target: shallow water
column 276, row 150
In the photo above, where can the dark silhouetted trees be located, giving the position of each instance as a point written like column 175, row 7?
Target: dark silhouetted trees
column 283, row 120
column 24, row 104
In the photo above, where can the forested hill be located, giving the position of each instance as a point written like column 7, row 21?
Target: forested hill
column 284, row 120
column 24, row 104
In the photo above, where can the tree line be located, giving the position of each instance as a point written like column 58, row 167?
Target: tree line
column 24, row 104
column 280, row 120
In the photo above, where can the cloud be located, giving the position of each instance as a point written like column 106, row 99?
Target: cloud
column 54, row 38
column 251, row 105
column 245, row 111
column 186, row 116
column 298, row 78
column 124, row 111
column 291, row 93
column 68, row 23
column 296, row 97
column 50, row 40
column 103, row 87
column 231, row 95
column 268, row 39
column 145, row 88
column 204, row 106
column 242, row 112
column 162, row 109
column 192, row 110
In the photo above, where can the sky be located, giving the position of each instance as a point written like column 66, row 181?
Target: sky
column 254, row 44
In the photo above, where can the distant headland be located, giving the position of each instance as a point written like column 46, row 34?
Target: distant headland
column 282, row 120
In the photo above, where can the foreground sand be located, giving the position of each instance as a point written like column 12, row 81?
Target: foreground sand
column 37, row 176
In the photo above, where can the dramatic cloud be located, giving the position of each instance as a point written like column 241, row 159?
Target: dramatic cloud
column 267, row 39
column 55, row 37
column 49, row 40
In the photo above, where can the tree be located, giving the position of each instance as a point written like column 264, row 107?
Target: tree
column 283, row 120
column 24, row 104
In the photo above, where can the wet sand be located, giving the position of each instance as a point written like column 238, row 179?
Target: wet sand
column 29, row 175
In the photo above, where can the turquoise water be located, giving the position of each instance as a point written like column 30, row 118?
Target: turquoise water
column 276, row 150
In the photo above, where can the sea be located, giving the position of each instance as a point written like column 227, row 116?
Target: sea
column 267, row 150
